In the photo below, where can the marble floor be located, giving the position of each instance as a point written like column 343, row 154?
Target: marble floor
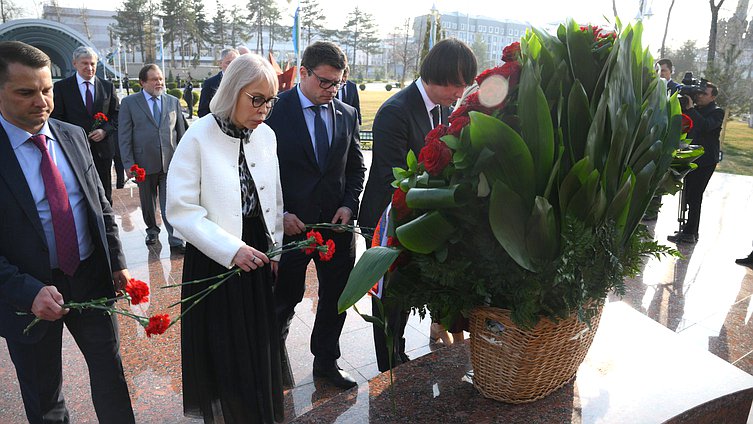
column 705, row 298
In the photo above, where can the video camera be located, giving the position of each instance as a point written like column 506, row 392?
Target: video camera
column 691, row 87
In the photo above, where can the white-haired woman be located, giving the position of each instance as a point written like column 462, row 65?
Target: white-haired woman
column 224, row 198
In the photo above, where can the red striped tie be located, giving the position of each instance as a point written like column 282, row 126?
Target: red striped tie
column 66, row 241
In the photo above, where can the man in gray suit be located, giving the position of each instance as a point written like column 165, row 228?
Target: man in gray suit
column 150, row 126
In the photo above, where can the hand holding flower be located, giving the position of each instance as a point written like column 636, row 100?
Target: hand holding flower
column 247, row 258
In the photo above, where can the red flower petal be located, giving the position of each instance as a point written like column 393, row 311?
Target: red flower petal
column 138, row 290
column 326, row 256
column 398, row 204
column 158, row 324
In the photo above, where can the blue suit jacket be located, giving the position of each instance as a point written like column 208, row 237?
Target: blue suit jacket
column 208, row 88
column 315, row 195
column 24, row 255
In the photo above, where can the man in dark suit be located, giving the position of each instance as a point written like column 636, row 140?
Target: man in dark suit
column 322, row 173
column 210, row 85
column 150, row 126
column 400, row 125
column 58, row 243
column 78, row 98
column 348, row 93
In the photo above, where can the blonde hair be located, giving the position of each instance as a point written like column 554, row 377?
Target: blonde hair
column 245, row 69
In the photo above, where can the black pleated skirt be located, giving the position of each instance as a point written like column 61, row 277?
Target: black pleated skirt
column 230, row 341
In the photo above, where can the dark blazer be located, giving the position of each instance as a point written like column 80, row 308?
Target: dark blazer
column 314, row 196
column 401, row 124
column 351, row 98
column 208, row 88
column 707, row 127
column 70, row 108
column 24, row 261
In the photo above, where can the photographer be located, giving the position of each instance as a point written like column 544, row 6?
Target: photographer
column 707, row 125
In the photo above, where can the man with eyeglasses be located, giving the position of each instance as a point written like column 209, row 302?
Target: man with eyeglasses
column 151, row 124
column 322, row 173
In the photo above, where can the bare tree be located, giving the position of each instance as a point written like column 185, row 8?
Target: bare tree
column 666, row 28
column 712, row 33
column 9, row 10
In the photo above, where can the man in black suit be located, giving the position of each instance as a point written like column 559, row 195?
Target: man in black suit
column 58, row 243
column 348, row 93
column 78, row 98
column 322, row 173
column 400, row 125
column 210, row 85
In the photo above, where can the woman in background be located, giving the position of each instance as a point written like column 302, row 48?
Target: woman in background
column 224, row 198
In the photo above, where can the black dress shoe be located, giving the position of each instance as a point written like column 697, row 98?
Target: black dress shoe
column 179, row 249
column 680, row 237
column 748, row 261
column 336, row 376
column 151, row 238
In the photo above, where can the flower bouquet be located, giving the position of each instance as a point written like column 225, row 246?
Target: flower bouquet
column 529, row 204
column 99, row 120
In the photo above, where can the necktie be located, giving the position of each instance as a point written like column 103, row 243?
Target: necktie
column 322, row 139
column 155, row 109
column 435, row 117
column 89, row 99
column 66, row 241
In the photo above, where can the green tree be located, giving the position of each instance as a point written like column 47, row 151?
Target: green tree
column 685, row 59
column 201, row 32
column 311, row 18
column 135, row 27
column 359, row 33
column 426, row 39
column 220, row 25
column 260, row 14
column 481, row 51
column 239, row 29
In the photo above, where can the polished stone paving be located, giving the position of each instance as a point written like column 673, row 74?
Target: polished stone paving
column 705, row 298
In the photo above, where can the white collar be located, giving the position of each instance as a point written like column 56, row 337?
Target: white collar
column 81, row 80
column 427, row 101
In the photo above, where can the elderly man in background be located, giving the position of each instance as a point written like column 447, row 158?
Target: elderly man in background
column 211, row 85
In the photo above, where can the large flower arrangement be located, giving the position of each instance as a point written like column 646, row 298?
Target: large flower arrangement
column 531, row 199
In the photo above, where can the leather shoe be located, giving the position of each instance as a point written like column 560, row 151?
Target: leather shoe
column 748, row 261
column 336, row 376
column 179, row 249
column 151, row 238
column 680, row 237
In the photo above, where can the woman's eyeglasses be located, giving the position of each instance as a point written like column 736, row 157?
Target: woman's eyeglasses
column 259, row 101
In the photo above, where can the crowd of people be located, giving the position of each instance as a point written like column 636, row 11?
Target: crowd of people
column 251, row 173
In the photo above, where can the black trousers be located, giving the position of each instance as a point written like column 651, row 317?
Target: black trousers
column 155, row 185
column 39, row 365
column 332, row 275
column 695, row 184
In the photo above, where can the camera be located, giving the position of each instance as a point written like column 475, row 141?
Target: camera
column 691, row 87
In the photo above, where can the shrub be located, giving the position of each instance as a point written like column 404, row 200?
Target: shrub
column 362, row 87
column 171, row 85
column 388, row 87
column 175, row 92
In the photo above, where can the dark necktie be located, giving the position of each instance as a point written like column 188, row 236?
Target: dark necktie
column 435, row 117
column 89, row 99
column 322, row 139
column 66, row 241
column 155, row 109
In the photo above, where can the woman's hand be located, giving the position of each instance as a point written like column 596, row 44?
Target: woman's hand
column 247, row 258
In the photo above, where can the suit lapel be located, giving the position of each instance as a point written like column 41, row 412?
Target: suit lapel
column 11, row 172
column 163, row 112
column 75, row 91
column 418, row 109
column 99, row 95
column 300, row 126
column 67, row 144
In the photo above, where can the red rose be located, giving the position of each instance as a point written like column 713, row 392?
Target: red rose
column 459, row 112
column 158, row 324
column 509, row 70
column 457, row 125
column 327, row 255
column 511, row 52
column 435, row 155
column 398, row 204
column 138, row 291
column 687, row 123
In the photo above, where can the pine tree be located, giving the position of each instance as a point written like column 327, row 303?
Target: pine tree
column 311, row 18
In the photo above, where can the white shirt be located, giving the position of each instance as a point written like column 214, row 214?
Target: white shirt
column 427, row 101
column 309, row 115
column 150, row 102
column 82, row 87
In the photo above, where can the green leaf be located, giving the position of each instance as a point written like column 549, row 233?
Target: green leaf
column 536, row 124
column 426, row 233
column 508, row 218
column 438, row 198
column 372, row 265
column 451, row 141
column 578, row 120
column 399, row 173
column 411, row 161
column 581, row 61
column 613, row 168
column 542, row 235
column 573, row 181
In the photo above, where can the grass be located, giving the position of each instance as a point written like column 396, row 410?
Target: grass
column 370, row 102
column 738, row 149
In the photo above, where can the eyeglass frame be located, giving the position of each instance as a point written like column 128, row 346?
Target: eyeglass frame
column 323, row 81
column 253, row 98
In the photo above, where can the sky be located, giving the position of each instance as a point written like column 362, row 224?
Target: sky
column 690, row 19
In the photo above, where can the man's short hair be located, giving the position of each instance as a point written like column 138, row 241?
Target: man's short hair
column 438, row 65
column 225, row 52
column 667, row 63
column 324, row 53
column 21, row 53
column 83, row 51
column 714, row 88
column 143, row 73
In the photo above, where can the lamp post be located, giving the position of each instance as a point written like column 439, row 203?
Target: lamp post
column 120, row 70
column 161, row 32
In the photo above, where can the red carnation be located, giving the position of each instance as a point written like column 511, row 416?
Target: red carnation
column 138, row 173
column 435, row 155
column 99, row 116
column 327, row 255
column 398, row 204
column 138, row 291
column 158, row 324
column 687, row 123
column 318, row 240
column 511, row 52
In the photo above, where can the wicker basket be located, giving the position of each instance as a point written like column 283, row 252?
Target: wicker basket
column 515, row 365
